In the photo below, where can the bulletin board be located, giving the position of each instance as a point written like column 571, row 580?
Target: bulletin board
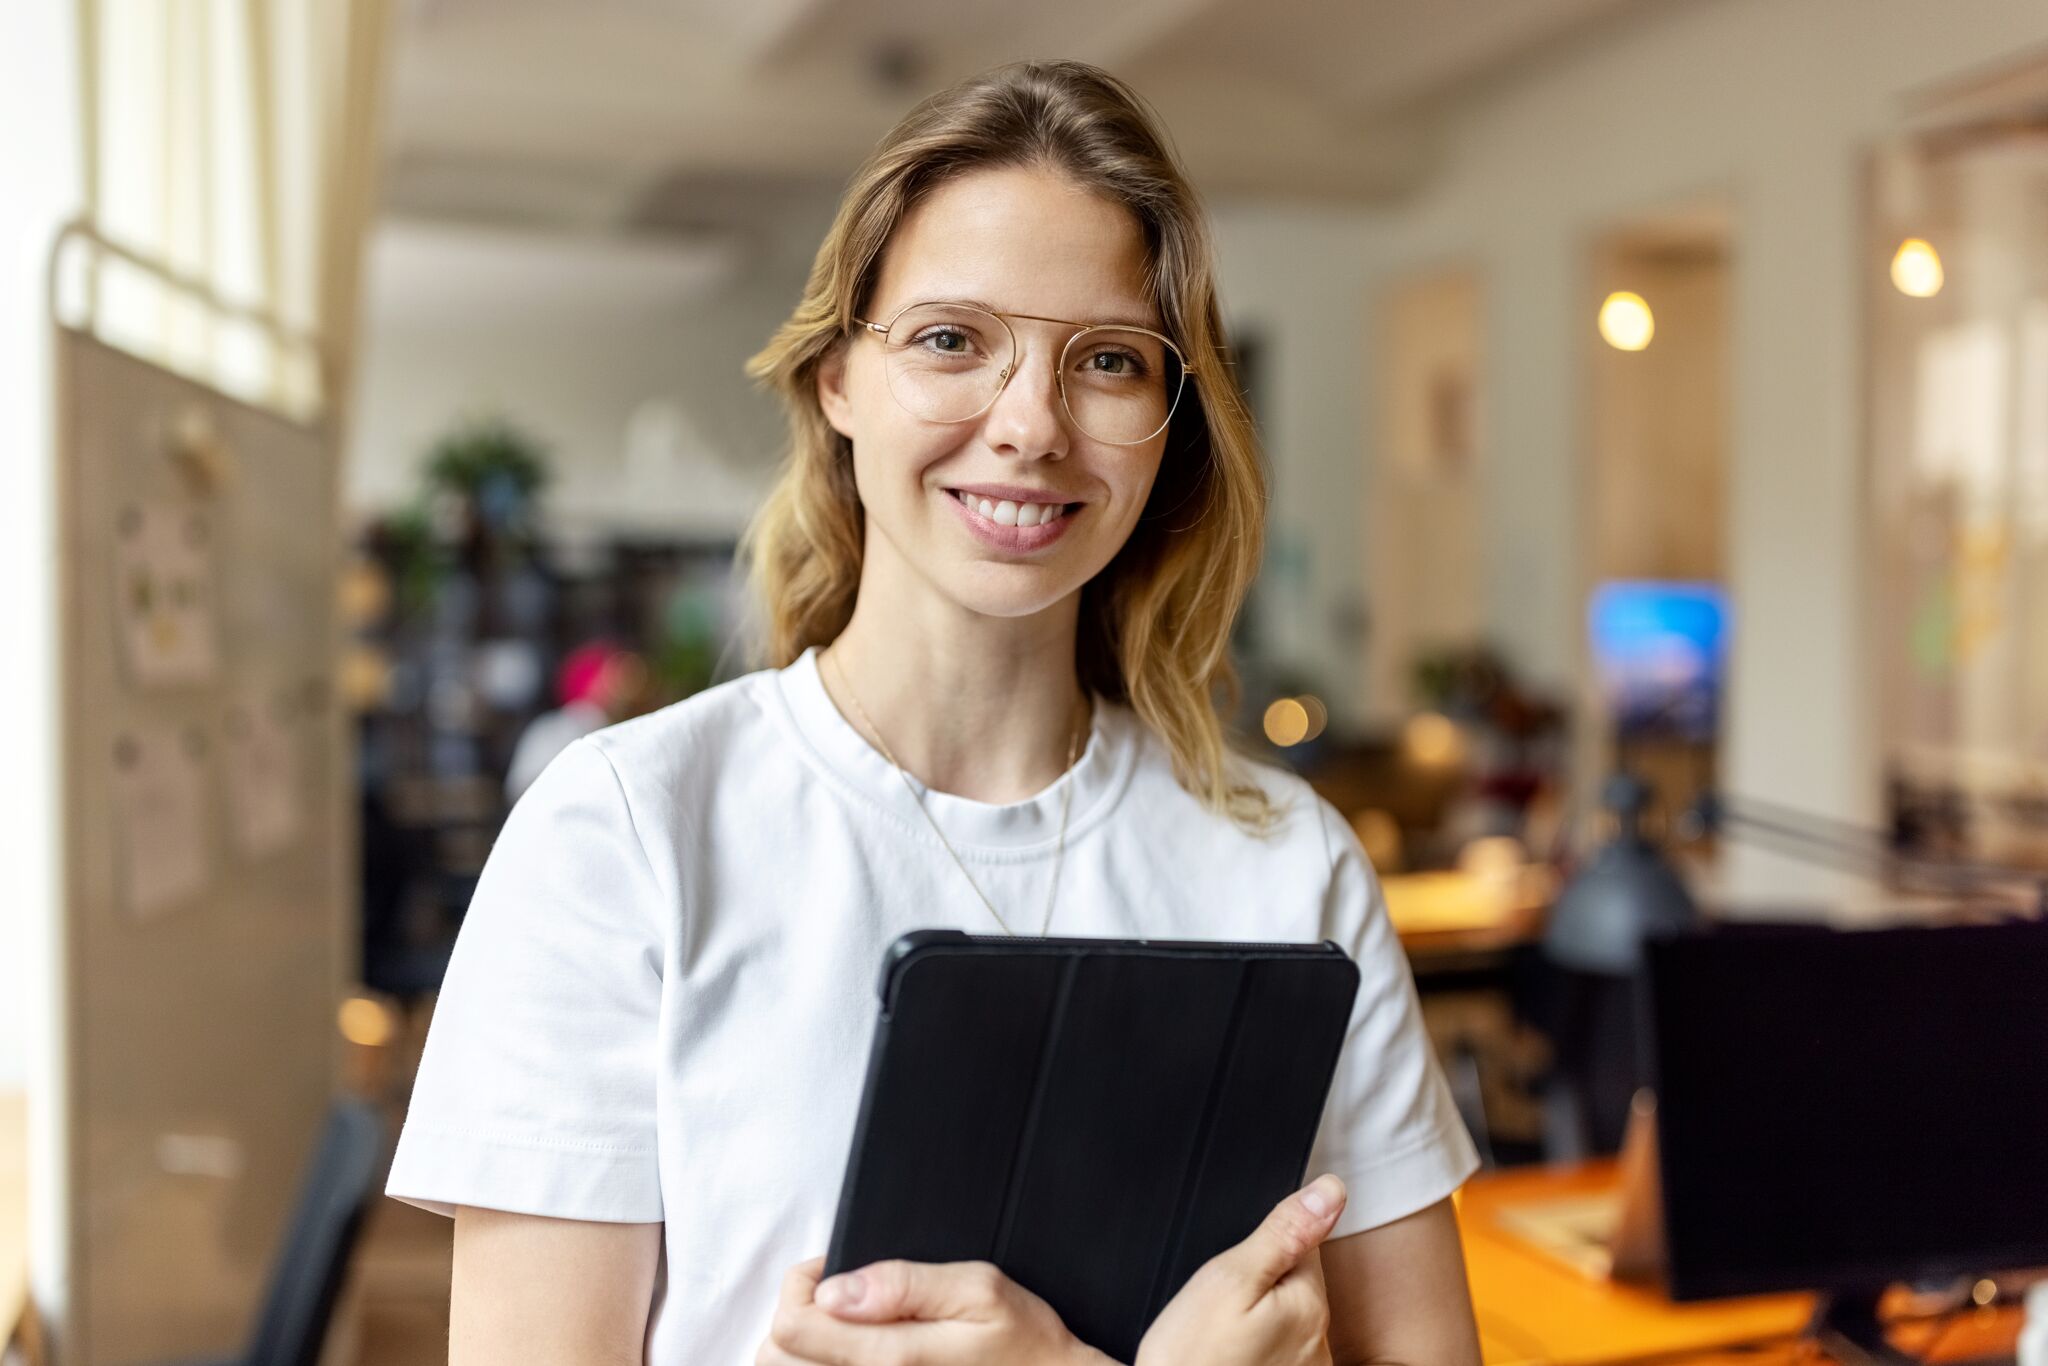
column 203, row 776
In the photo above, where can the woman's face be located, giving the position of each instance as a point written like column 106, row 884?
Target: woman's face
column 1013, row 241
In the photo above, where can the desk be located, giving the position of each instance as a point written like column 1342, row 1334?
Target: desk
column 1465, row 912
column 1535, row 1311
column 13, row 1213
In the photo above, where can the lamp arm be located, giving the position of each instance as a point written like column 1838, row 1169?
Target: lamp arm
column 1804, row 835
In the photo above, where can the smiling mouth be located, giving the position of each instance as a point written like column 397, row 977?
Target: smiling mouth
column 1003, row 512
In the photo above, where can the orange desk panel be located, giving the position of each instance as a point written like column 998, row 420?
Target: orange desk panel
column 1534, row 1310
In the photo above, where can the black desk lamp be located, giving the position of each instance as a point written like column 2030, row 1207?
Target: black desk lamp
column 1585, row 1000
column 1627, row 892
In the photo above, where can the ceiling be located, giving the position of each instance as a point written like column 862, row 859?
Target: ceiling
column 606, row 114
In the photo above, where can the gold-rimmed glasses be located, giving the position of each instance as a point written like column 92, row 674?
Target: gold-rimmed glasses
column 947, row 362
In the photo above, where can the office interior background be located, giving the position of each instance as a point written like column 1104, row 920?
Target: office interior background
column 1656, row 401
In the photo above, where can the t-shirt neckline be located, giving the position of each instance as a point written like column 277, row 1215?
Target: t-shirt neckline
column 1004, row 831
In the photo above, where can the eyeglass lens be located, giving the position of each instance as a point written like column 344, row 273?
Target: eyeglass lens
column 947, row 362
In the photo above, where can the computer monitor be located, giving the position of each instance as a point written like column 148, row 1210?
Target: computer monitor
column 1837, row 1110
column 1660, row 650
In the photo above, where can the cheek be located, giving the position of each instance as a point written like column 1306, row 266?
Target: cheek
column 892, row 453
column 1137, row 483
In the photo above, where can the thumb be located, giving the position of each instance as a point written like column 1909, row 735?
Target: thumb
column 1295, row 1228
column 894, row 1291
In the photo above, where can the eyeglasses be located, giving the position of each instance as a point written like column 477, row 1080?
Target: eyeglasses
column 948, row 362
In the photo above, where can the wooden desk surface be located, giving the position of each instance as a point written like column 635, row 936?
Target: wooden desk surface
column 1533, row 1310
column 1463, row 912
column 13, row 1212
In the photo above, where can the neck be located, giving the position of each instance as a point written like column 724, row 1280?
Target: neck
column 982, row 707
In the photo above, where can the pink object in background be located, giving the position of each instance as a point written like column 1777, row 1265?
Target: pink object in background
column 583, row 674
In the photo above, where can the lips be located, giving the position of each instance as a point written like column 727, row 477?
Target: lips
column 1003, row 526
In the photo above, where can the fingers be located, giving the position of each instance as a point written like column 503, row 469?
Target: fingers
column 1295, row 1228
column 834, row 1323
column 888, row 1292
column 800, row 1283
column 799, row 1335
column 799, row 1288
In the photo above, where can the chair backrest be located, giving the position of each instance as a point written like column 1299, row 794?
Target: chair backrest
column 307, row 1275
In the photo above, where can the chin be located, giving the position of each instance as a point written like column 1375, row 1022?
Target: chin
column 1006, row 591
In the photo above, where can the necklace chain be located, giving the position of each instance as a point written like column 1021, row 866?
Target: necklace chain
column 1066, row 801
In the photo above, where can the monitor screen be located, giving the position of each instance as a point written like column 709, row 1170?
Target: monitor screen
column 1660, row 650
column 1837, row 1110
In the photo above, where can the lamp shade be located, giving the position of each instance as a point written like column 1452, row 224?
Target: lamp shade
column 1627, row 893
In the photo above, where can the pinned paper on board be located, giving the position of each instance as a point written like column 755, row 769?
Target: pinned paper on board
column 163, row 588
column 261, row 759
column 160, row 820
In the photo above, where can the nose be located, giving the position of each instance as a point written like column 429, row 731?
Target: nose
column 1028, row 419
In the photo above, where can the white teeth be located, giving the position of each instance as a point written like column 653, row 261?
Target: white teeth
column 1007, row 513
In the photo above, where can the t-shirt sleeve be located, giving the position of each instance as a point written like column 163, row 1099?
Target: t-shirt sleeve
column 536, row 1090
column 1390, row 1129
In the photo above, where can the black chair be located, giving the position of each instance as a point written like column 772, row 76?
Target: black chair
column 298, row 1304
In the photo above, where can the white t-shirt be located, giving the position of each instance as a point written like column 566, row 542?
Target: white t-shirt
column 660, row 1004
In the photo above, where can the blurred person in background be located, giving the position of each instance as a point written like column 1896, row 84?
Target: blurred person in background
column 596, row 686
column 1022, row 509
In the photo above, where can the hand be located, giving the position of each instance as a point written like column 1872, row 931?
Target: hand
column 1260, row 1302
column 916, row 1314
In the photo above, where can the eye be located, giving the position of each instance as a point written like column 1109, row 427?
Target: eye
column 946, row 341
column 1114, row 363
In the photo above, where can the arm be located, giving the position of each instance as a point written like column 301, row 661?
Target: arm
column 556, row 1292
column 1398, row 1295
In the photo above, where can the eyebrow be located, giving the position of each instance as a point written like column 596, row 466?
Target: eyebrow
column 1142, row 324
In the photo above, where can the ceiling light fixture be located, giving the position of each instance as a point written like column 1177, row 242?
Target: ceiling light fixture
column 1625, row 321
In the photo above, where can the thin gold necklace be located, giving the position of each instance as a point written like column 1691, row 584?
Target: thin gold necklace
column 1066, row 800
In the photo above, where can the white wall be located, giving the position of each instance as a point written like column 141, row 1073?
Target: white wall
column 41, row 173
column 1774, row 103
column 568, row 340
column 1294, row 276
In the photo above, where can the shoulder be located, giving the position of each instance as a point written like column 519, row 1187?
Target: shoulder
column 653, row 774
column 674, row 746
column 1304, row 824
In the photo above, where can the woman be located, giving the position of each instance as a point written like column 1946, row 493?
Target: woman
column 1000, row 569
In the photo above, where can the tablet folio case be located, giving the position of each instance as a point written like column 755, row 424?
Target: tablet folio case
column 1096, row 1117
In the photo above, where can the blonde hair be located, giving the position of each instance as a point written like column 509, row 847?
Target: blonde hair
column 1155, row 623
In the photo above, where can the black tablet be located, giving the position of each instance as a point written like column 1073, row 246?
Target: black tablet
column 1097, row 1117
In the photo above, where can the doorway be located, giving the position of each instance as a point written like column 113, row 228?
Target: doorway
column 1657, row 618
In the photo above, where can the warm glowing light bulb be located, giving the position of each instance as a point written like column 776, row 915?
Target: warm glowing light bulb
column 1625, row 321
column 366, row 1021
column 1318, row 714
column 1916, row 268
column 1433, row 740
column 1286, row 722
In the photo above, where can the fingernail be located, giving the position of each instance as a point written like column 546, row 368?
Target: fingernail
column 842, row 1292
column 1321, row 1195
